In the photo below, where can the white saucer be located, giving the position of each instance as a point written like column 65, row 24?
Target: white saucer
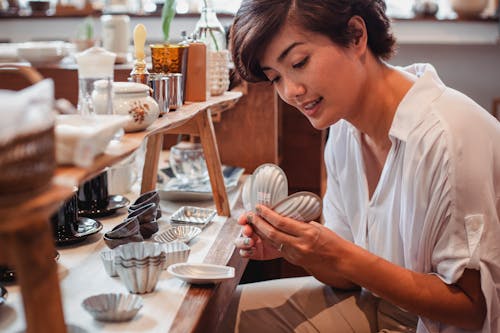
column 201, row 273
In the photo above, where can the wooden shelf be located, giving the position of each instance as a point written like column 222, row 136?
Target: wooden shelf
column 26, row 240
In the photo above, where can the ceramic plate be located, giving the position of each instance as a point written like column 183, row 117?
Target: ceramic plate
column 86, row 227
column 8, row 275
column 115, row 202
column 201, row 273
column 193, row 215
column 171, row 188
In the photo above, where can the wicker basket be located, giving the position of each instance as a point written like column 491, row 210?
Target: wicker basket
column 27, row 164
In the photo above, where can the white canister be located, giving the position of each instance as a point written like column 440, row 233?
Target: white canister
column 116, row 33
column 132, row 98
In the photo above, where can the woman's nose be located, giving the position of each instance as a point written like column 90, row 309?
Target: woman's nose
column 292, row 90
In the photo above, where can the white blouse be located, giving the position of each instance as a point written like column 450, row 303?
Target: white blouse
column 436, row 207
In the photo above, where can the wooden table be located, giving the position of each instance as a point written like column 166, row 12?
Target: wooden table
column 26, row 240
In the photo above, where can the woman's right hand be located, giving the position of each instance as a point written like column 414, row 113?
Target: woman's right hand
column 250, row 245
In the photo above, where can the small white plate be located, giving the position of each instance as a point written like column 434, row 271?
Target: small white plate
column 193, row 215
column 201, row 273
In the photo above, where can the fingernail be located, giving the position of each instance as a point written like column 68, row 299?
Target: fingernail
column 258, row 210
column 246, row 241
column 244, row 253
column 249, row 219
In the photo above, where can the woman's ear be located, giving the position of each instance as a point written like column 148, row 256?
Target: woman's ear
column 357, row 26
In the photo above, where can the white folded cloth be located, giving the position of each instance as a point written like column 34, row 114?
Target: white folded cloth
column 26, row 111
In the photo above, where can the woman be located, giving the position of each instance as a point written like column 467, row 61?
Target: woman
column 412, row 204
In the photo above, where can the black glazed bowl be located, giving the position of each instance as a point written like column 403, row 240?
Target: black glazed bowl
column 7, row 275
column 148, row 229
column 115, row 242
column 127, row 228
column 38, row 6
column 145, row 214
column 144, row 199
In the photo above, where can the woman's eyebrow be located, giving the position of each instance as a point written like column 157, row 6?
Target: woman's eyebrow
column 284, row 53
column 287, row 50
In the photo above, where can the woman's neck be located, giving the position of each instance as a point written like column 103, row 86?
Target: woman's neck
column 385, row 87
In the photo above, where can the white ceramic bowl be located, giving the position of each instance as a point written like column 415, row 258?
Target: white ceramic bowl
column 177, row 252
column 138, row 251
column 468, row 8
column 108, row 260
column 140, row 278
column 43, row 52
column 300, row 206
column 113, row 307
column 269, row 185
column 182, row 233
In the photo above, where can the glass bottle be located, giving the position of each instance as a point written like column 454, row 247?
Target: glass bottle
column 94, row 64
column 209, row 30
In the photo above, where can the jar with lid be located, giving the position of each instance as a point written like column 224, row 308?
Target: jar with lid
column 132, row 98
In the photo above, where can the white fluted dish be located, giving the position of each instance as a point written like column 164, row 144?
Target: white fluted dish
column 108, row 260
column 138, row 250
column 246, row 194
column 176, row 252
column 201, row 273
column 269, row 185
column 113, row 307
column 182, row 233
column 141, row 278
column 302, row 206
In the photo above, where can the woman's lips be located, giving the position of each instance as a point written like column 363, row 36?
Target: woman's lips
column 311, row 108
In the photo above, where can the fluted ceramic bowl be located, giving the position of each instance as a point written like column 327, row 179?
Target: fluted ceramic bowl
column 182, row 233
column 113, row 307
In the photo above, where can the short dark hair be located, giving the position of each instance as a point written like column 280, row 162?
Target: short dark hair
column 257, row 22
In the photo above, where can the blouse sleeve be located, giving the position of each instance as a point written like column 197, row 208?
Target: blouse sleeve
column 333, row 211
column 456, row 194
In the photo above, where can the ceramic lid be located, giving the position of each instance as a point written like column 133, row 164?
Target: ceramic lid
column 95, row 62
column 129, row 87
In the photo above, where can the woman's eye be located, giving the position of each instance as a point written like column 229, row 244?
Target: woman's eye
column 274, row 79
column 301, row 63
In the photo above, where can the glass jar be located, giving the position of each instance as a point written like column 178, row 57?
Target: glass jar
column 94, row 64
column 210, row 31
column 188, row 162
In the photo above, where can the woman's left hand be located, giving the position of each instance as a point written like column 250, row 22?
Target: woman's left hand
column 310, row 245
column 300, row 243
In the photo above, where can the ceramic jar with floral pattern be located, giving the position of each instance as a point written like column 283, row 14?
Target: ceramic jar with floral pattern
column 131, row 98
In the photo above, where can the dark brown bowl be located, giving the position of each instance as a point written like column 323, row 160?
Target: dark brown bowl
column 114, row 242
column 38, row 6
column 144, row 199
column 145, row 214
column 148, row 229
column 129, row 227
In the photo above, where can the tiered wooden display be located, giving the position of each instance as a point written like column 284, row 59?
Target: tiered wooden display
column 26, row 239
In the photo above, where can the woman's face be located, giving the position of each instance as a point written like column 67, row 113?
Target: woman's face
column 311, row 73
